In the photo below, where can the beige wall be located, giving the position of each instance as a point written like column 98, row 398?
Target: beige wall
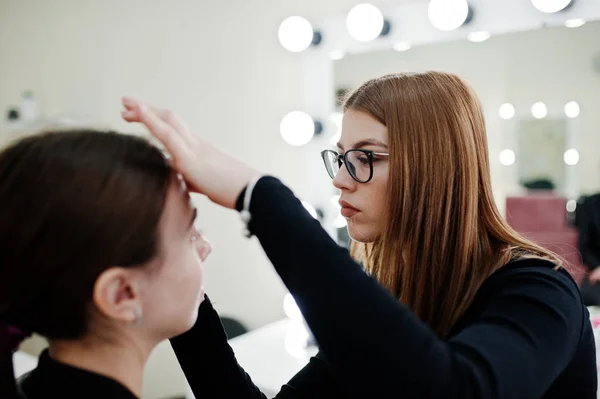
column 216, row 62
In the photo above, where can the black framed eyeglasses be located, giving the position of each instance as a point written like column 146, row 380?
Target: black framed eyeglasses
column 359, row 163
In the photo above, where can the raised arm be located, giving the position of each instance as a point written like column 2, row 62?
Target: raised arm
column 378, row 346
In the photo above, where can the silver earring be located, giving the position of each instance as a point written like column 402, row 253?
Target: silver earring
column 139, row 317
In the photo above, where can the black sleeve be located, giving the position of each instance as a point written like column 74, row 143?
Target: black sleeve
column 584, row 226
column 518, row 345
column 208, row 361
column 212, row 370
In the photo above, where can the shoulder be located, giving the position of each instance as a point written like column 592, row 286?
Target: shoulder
column 533, row 272
column 534, row 281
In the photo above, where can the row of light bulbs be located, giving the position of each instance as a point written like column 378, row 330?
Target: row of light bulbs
column 507, row 157
column 297, row 128
column 539, row 110
column 365, row 22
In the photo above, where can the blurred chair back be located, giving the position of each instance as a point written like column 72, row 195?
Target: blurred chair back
column 542, row 218
column 232, row 327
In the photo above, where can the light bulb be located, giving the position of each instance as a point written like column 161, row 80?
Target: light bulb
column 402, row 46
column 574, row 23
column 337, row 55
column 571, row 157
column 572, row 109
column 335, row 201
column 295, row 34
column 478, row 37
column 297, row 128
column 571, row 205
column 506, row 111
column 364, row 22
column 447, row 15
column 551, row 6
column 507, row 157
column 291, row 308
column 311, row 209
column 336, row 118
column 539, row 110
column 340, row 222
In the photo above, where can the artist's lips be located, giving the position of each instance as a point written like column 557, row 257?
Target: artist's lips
column 348, row 210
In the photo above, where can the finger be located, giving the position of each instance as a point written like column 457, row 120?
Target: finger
column 165, row 115
column 130, row 116
column 163, row 132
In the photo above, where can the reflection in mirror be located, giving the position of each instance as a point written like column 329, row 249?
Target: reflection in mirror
column 541, row 146
column 540, row 91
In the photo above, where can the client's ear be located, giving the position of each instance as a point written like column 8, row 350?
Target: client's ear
column 117, row 294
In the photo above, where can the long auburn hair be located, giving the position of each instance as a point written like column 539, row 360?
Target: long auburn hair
column 444, row 235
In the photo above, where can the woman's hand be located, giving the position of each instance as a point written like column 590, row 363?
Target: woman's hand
column 206, row 169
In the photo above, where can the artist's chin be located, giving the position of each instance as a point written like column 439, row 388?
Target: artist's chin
column 360, row 233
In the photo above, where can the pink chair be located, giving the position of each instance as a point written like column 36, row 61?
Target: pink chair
column 542, row 218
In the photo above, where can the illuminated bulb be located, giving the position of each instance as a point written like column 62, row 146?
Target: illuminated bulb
column 574, row 23
column 572, row 109
column 539, row 110
column 340, row 222
column 295, row 34
column 335, row 201
column 337, row 55
column 336, row 118
column 297, row 128
column 506, row 111
column 478, row 37
column 447, row 15
column 364, row 22
column 291, row 308
column 571, row 157
column 311, row 209
column 507, row 157
column 551, row 6
column 402, row 46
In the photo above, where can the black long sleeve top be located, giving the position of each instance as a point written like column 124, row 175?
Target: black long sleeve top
column 527, row 333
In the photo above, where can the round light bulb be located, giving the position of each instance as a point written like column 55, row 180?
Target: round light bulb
column 539, row 110
column 311, row 209
column 506, row 111
column 335, row 201
column 336, row 119
column 447, row 15
column 551, row 6
column 478, row 37
column 402, row 46
column 507, row 157
column 574, row 23
column 364, row 22
column 297, row 128
column 571, row 157
column 291, row 308
column 571, row 205
column 295, row 34
column 340, row 222
column 337, row 55
column 572, row 109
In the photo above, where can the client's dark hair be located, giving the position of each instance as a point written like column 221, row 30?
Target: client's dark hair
column 72, row 204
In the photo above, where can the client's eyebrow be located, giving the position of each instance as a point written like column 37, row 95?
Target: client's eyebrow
column 364, row 143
